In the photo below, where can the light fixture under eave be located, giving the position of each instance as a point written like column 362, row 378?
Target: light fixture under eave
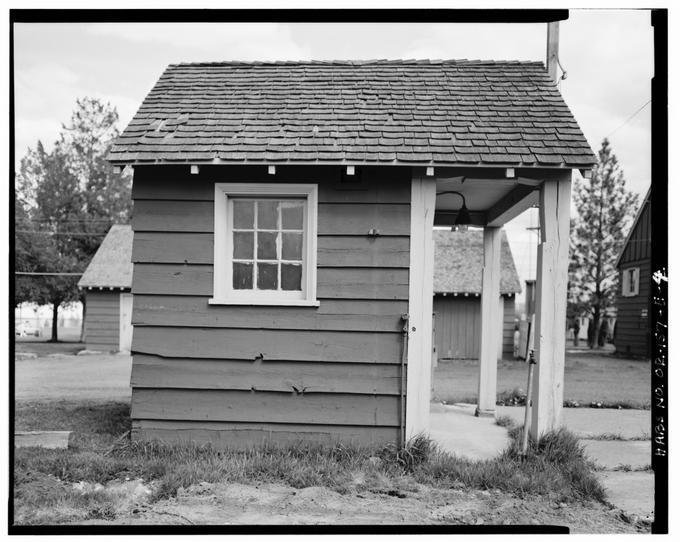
column 463, row 218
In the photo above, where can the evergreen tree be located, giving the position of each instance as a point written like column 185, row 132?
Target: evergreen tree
column 604, row 212
column 65, row 202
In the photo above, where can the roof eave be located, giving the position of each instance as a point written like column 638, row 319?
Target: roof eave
column 134, row 163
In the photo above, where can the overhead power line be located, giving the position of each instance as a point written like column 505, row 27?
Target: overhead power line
column 72, row 220
column 31, row 273
column 71, row 233
column 629, row 118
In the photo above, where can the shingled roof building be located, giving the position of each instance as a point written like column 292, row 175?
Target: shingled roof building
column 283, row 228
column 375, row 112
column 458, row 268
column 107, row 282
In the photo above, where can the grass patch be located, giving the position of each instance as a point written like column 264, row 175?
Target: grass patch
column 505, row 421
column 618, row 436
column 555, row 467
column 590, row 377
column 630, row 468
column 93, row 478
column 517, row 397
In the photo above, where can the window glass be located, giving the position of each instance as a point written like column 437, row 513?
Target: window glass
column 243, row 245
column 292, row 213
column 292, row 246
column 268, row 243
column 291, row 276
column 243, row 276
column 244, row 214
column 267, row 215
column 267, row 276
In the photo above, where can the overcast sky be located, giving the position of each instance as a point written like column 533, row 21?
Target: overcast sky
column 608, row 56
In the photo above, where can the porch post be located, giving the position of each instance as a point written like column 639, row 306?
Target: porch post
column 420, row 292
column 551, row 305
column 490, row 335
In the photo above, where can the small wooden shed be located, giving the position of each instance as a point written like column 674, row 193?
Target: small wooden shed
column 632, row 329
column 283, row 249
column 458, row 266
column 108, row 299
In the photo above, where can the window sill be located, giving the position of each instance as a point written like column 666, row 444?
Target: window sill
column 266, row 302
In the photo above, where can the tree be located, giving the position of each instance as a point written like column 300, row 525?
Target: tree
column 66, row 201
column 604, row 212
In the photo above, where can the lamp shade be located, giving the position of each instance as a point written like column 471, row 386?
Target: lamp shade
column 463, row 216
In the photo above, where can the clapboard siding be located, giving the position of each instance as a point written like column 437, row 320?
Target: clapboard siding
column 458, row 326
column 272, row 344
column 259, row 406
column 334, row 218
column 508, row 325
column 174, row 182
column 639, row 243
column 281, row 376
column 102, row 319
column 332, row 283
column 236, row 374
column 340, row 314
column 632, row 334
column 247, row 435
column 332, row 251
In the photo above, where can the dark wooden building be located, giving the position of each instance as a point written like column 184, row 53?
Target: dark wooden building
column 458, row 264
column 632, row 330
column 108, row 301
column 283, row 249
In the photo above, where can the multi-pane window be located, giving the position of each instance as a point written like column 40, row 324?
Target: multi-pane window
column 630, row 284
column 265, row 244
column 268, row 238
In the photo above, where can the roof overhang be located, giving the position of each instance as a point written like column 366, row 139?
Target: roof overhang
column 440, row 168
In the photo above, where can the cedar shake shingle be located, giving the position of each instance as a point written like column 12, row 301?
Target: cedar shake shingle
column 111, row 266
column 399, row 112
column 459, row 262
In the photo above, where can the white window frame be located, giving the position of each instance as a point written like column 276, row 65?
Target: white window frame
column 223, row 292
column 630, row 288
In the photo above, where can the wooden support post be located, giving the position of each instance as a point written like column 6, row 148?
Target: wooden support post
column 551, row 305
column 499, row 329
column 420, row 292
column 489, row 336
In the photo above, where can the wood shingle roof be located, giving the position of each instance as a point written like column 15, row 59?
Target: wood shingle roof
column 403, row 112
column 459, row 260
column 111, row 266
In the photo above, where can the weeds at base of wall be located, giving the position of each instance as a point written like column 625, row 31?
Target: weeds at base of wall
column 104, row 476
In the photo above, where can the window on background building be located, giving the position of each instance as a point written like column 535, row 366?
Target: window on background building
column 265, row 244
column 630, row 284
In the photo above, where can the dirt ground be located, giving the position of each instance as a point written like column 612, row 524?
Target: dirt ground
column 271, row 504
column 106, row 377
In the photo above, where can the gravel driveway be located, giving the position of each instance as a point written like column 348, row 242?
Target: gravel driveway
column 103, row 377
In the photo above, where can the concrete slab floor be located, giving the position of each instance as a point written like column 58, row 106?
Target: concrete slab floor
column 457, row 430
column 632, row 492
column 591, row 422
